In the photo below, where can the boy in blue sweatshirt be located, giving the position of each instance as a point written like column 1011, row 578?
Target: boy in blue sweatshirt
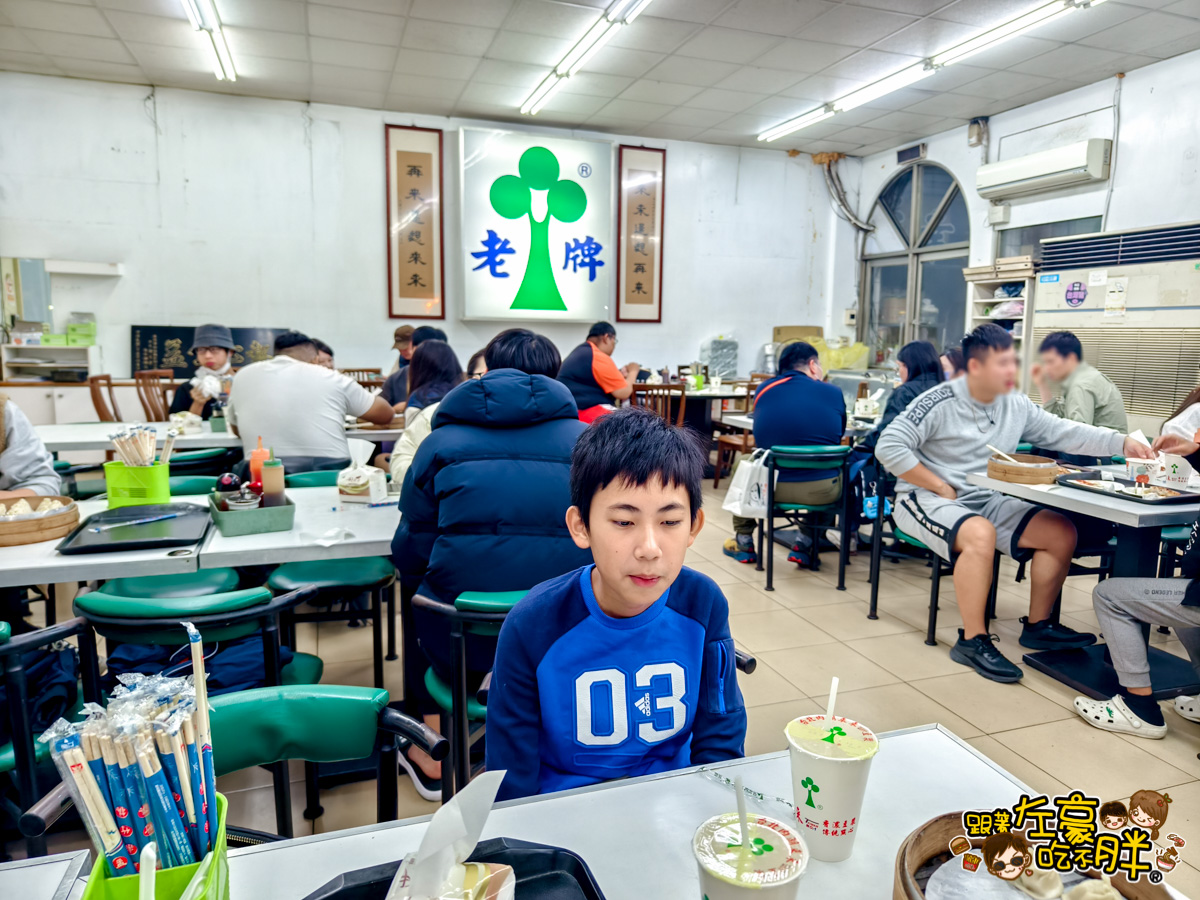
column 624, row 667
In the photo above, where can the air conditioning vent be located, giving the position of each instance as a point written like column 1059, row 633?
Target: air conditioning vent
column 1159, row 245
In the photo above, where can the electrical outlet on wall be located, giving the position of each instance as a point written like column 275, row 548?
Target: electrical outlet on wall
column 850, row 318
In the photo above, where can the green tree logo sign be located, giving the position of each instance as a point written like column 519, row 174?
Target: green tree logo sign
column 511, row 197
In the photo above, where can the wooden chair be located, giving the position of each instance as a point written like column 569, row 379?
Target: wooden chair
column 658, row 397
column 153, row 392
column 365, row 377
column 107, row 411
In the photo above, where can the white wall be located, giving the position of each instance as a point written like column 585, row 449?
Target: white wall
column 1156, row 179
column 271, row 213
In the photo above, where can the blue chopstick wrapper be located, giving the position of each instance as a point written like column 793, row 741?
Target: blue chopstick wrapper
column 210, row 792
column 166, row 814
column 97, row 767
column 123, row 810
column 204, row 839
column 139, row 806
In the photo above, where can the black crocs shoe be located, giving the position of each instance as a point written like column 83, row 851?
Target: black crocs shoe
column 1047, row 635
column 980, row 654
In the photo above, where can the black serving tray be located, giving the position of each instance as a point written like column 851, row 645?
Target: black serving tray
column 189, row 528
column 543, row 873
column 1072, row 479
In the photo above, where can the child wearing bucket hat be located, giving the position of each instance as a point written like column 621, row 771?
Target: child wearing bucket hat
column 213, row 346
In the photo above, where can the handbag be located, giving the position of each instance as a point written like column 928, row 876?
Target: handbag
column 747, row 495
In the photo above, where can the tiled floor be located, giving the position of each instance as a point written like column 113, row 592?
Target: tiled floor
column 806, row 631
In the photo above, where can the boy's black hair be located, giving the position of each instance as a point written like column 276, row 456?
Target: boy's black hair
column 954, row 354
column 427, row 333
column 291, row 339
column 1114, row 808
column 520, row 348
column 601, row 329
column 1063, row 343
column 983, row 340
column 321, row 346
column 796, row 356
column 634, row 445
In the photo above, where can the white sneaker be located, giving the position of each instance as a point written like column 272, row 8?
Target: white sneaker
column 834, row 536
column 1114, row 715
column 1188, row 707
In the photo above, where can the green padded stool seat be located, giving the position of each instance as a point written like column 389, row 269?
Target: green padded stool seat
column 108, row 605
column 305, row 668
column 804, row 507
column 200, row 583
column 191, row 485
column 323, row 478
column 908, row 539
column 443, row 696
column 198, row 455
column 1177, row 534
column 332, row 573
column 61, row 465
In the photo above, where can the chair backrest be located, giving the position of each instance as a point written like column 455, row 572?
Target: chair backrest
column 153, row 392
column 106, row 411
column 658, row 398
column 139, row 620
column 320, row 478
column 826, row 457
column 365, row 377
column 192, row 485
column 313, row 722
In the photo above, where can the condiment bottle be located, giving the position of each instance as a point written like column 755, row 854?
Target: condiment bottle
column 257, row 458
column 272, row 483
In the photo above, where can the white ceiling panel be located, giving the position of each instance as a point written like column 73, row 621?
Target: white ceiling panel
column 485, row 13
column 516, row 46
column 777, row 17
column 254, row 42
column 54, row 43
column 716, row 70
column 381, row 57
column 64, row 17
column 803, row 56
column 854, row 26
column 444, row 37
column 660, row 92
column 269, row 15
column 759, row 80
column 352, row 25
column 727, row 45
column 654, row 34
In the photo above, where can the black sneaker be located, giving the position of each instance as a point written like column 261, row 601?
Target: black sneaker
column 1047, row 635
column 980, row 653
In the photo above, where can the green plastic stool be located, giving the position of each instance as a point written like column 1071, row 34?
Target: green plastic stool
column 323, row 478
column 348, row 579
column 200, row 583
column 192, row 485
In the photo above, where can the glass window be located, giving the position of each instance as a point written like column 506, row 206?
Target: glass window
column 935, row 183
column 884, row 239
column 942, row 318
column 1027, row 241
column 897, row 199
column 954, row 225
column 887, row 310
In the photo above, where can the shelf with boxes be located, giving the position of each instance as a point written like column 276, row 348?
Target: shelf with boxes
column 1002, row 293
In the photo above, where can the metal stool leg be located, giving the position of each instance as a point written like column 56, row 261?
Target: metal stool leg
column 758, row 563
column 377, row 635
column 876, row 561
column 935, row 587
column 283, row 798
column 391, row 621
column 312, row 792
column 989, row 611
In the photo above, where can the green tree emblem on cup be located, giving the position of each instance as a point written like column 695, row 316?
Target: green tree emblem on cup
column 834, row 733
column 813, row 788
column 757, row 846
column 511, row 197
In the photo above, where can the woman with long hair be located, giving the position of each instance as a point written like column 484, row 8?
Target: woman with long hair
column 433, row 372
column 920, row 369
column 1185, row 421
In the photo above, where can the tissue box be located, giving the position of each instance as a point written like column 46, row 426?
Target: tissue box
column 362, row 484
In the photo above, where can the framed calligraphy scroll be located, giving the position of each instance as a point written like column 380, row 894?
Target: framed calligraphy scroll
column 414, row 223
column 642, row 173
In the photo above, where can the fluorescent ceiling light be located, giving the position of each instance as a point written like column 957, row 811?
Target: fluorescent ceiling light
column 927, row 67
column 619, row 14
column 903, row 78
column 1001, row 33
column 204, row 20
column 809, row 118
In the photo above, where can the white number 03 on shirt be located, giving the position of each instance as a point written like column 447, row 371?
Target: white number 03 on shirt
column 603, row 707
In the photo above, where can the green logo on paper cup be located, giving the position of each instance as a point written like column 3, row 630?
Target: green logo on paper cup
column 834, row 732
column 813, row 788
column 757, row 846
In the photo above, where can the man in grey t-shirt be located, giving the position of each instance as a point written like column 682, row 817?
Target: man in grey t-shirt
column 943, row 436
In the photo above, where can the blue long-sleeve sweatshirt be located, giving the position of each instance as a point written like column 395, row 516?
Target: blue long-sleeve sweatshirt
column 580, row 697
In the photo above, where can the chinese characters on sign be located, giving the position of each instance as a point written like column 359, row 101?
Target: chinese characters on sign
column 165, row 347
column 1068, row 833
column 414, row 193
column 414, row 179
column 640, row 214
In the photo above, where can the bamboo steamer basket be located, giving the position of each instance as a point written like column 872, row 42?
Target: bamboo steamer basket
column 933, row 839
column 35, row 529
column 1028, row 469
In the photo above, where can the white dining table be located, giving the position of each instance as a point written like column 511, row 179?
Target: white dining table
column 95, row 436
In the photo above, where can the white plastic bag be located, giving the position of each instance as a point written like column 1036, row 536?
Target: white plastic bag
column 747, row 495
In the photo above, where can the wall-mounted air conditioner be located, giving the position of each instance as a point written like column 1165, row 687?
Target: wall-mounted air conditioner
column 1083, row 163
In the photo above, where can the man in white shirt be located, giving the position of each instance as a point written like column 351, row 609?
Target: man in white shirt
column 299, row 408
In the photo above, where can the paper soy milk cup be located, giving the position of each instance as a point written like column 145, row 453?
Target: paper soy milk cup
column 831, row 759
column 770, row 869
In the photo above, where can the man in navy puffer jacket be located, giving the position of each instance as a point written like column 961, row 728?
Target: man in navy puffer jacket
column 484, row 503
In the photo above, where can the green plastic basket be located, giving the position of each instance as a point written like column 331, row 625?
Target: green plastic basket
column 234, row 523
column 137, row 485
column 169, row 884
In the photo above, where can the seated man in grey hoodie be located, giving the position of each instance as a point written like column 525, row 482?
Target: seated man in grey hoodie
column 941, row 438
